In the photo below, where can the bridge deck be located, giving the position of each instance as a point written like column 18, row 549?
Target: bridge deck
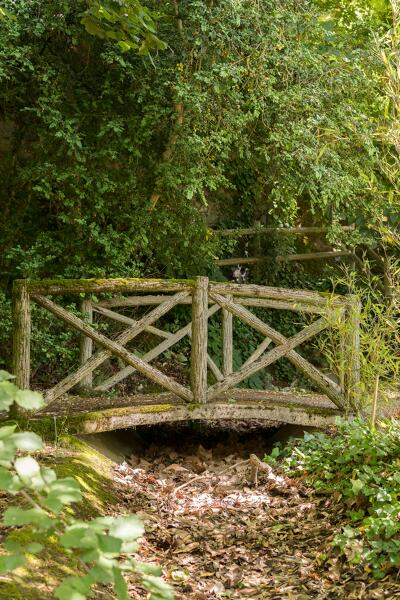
column 102, row 413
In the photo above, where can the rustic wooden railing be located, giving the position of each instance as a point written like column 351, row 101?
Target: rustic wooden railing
column 205, row 299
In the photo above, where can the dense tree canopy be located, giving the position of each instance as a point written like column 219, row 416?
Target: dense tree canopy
column 121, row 141
column 254, row 108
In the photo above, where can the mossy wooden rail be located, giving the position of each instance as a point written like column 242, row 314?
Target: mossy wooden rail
column 211, row 391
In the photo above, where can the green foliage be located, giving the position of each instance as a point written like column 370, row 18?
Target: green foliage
column 378, row 331
column 359, row 467
column 277, row 122
column 127, row 22
column 103, row 547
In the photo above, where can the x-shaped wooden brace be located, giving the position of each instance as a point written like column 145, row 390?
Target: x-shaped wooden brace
column 285, row 347
column 116, row 347
column 172, row 339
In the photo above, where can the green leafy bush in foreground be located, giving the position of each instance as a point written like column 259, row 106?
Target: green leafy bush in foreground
column 103, row 548
column 360, row 467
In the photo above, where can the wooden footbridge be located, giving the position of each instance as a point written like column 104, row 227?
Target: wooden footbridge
column 211, row 391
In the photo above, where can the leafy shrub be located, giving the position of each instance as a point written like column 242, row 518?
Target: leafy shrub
column 102, row 547
column 360, row 467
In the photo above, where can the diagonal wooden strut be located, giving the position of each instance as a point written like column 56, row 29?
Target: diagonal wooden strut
column 331, row 389
column 110, row 347
column 269, row 358
column 111, row 314
column 159, row 349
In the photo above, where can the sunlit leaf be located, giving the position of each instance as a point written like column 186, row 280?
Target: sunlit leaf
column 29, row 400
column 27, row 467
column 27, row 441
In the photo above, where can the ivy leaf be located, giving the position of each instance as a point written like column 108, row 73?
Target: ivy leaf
column 356, row 486
column 147, row 569
column 7, row 394
column 27, row 441
column 7, row 431
column 74, row 588
column 158, row 588
column 29, row 400
column 127, row 528
column 19, row 516
column 79, row 536
column 5, row 375
column 120, row 586
column 34, row 548
column 27, row 468
column 63, row 491
column 109, row 544
column 11, row 562
column 6, row 479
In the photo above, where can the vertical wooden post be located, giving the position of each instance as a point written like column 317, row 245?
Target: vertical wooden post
column 86, row 347
column 354, row 366
column 21, row 333
column 198, row 370
column 227, row 340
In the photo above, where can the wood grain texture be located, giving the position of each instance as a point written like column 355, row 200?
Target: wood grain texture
column 77, row 286
column 227, row 340
column 275, row 293
column 152, row 354
column 115, row 348
column 21, row 334
column 198, row 362
column 99, row 357
column 324, row 383
column 267, row 230
column 273, row 355
column 111, row 314
column 86, row 345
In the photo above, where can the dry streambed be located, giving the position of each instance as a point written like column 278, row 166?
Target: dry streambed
column 224, row 526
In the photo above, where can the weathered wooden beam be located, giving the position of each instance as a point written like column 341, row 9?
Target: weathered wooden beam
column 136, row 301
column 246, row 260
column 198, row 363
column 227, row 340
column 129, row 321
column 267, row 230
column 313, row 255
column 114, row 348
column 282, row 305
column 152, row 354
column 259, row 351
column 275, row 293
column 214, row 368
column 273, row 355
column 86, row 344
column 98, row 286
column 253, row 260
column 331, row 389
column 21, row 333
column 260, row 302
column 97, row 359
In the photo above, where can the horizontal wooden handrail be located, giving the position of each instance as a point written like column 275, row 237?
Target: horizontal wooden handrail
column 79, row 286
column 254, row 260
column 289, row 230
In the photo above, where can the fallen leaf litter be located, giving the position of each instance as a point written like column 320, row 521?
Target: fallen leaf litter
column 226, row 526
